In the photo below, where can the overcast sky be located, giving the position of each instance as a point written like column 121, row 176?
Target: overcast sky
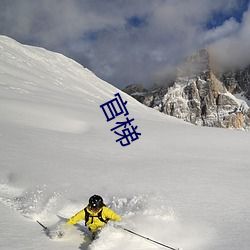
column 131, row 41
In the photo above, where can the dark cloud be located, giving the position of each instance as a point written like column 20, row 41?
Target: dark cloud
column 132, row 41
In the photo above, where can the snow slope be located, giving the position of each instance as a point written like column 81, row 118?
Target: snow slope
column 179, row 184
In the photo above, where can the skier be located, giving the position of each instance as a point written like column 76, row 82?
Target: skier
column 95, row 214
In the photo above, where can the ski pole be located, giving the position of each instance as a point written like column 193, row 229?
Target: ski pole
column 45, row 228
column 146, row 238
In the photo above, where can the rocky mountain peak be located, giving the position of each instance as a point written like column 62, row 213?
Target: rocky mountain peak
column 200, row 96
column 196, row 64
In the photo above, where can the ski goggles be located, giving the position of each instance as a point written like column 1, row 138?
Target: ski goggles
column 94, row 208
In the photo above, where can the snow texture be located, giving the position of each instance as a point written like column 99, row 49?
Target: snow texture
column 179, row 184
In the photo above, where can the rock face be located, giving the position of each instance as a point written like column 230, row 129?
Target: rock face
column 137, row 91
column 237, row 81
column 201, row 97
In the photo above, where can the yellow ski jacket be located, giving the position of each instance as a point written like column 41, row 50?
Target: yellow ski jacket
column 94, row 223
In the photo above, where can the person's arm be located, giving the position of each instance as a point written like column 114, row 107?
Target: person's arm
column 111, row 215
column 77, row 217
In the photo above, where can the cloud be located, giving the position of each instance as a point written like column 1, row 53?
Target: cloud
column 233, row 49
column 124, row 42
column 228, row 28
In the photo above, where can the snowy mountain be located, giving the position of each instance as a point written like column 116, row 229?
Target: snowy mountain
column 237, row 81
column 182, row 185
column 201, row 96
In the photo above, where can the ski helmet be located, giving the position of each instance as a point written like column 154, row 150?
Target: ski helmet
column 95, row 202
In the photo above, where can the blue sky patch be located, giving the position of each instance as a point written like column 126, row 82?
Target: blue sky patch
column 219, row 17
column 136, row 21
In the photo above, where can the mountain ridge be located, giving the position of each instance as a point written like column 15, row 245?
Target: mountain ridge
column 201, row 95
